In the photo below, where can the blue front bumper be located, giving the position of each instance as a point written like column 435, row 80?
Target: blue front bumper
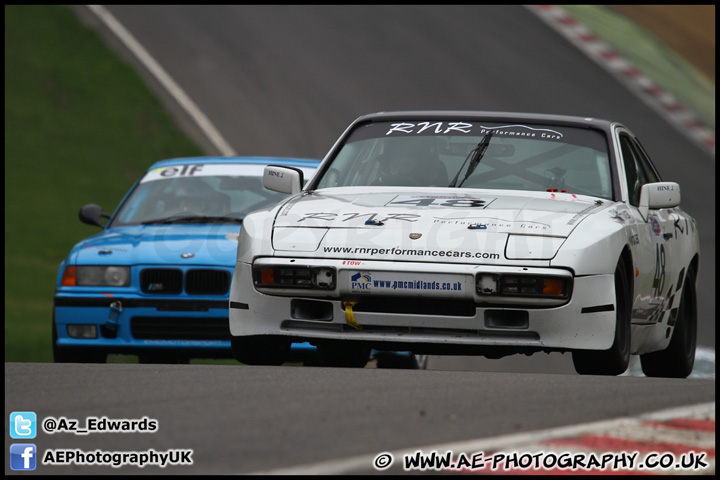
column 197, row 328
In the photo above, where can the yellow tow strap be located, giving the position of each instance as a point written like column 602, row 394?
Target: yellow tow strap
column 350, row 316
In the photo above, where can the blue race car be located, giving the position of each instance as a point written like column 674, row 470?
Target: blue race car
column 155, row 282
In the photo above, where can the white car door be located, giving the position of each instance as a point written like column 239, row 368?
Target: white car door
column 655, row 273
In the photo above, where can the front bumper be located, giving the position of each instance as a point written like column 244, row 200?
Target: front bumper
column 423, row 321
column 132, row 324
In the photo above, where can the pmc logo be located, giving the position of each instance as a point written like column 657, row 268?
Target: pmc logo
column 361, row 281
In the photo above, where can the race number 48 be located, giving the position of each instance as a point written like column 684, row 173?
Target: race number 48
column 441, row 202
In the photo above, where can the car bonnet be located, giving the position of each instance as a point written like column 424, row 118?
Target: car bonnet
column 189, row 244
column 366, row 221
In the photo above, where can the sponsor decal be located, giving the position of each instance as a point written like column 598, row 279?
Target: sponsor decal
column 455, row 131
column 289, row 205
column 179, row 171
column 206, row 170
column 446, row 128
column 522, row 131
column 681, row 224
column 387, row 282
column 360, row 282
column 410, row 252
column 363, row 217
column 176, row 171
column 621, row 217
column 495, row 223
column 655, row 224
column 585, row 212
column 432, row 127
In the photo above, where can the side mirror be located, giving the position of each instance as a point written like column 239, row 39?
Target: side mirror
column 283, row 179
column 91, row 214
column 658, row 195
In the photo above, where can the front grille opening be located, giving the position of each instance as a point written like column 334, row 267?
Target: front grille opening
column 457, row 333
column 416, row 306
column 106, row 332
column 311, row 310
column 207, row 282
column 161, row 280
column 179, row 328
column 513, row 319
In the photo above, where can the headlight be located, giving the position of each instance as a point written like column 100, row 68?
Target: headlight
column 102, row 275
column 322, row 278
column 532, row 247
column 523, row 285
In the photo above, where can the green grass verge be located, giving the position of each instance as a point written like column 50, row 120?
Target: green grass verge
column 80, row 127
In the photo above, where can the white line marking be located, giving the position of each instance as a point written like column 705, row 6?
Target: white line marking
column 165, row 80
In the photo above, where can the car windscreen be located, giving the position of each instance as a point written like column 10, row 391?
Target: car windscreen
column 197, row 194
column 486, row 155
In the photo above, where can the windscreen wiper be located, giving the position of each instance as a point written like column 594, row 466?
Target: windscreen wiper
column 193, row 219
column 475, row 156
column 217, row 219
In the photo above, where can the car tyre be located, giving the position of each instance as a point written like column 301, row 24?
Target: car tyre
column 678, row 359
column 343, row 354
column 616, row 359
column 259, row 350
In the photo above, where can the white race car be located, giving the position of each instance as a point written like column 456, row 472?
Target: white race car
column 473, row 233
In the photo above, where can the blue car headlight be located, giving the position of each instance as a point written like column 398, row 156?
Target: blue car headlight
column 103, row 276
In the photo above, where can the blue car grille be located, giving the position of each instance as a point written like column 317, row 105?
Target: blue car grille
column 207, row 282
column 194, row 281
